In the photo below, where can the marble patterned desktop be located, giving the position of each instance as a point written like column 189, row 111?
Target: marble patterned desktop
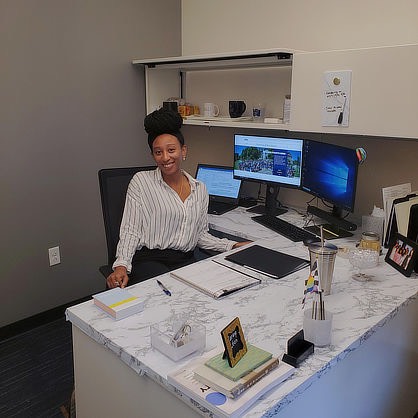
column 270, row 314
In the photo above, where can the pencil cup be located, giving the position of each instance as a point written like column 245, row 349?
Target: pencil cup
column 324, row 257
column 317, row 331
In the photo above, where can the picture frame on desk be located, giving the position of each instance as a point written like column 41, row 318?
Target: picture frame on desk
column 402, row 254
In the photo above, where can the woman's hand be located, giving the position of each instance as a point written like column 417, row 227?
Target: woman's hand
column 119, row 278
column 240, row 244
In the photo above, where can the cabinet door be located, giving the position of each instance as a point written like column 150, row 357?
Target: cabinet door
column 384, row 91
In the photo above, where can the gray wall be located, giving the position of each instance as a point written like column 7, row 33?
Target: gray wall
column 70, row 104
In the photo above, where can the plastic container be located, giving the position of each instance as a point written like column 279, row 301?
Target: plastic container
column 176, row 342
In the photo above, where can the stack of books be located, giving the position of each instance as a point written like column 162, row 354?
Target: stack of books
column 226, row 391
column 232, row 381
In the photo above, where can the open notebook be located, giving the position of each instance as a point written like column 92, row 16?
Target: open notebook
column 223, row 189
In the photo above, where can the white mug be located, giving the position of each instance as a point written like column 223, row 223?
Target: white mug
column 210, row 109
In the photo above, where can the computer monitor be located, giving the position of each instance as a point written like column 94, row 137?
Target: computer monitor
column 219, row 181
column 271, row 160
column 329, row 172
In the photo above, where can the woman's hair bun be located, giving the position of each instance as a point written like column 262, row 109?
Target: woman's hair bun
column 162, row 121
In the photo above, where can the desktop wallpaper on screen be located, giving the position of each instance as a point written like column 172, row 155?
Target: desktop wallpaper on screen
column 330, row 173
column 276, row 160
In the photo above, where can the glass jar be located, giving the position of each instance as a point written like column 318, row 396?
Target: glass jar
column 370, row 241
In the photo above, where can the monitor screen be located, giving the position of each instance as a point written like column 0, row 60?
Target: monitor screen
column 330, row 173
column 219, row 180
column 268, row 159
column 274, row 161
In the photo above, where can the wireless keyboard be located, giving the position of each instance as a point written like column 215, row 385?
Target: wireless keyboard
column 284, row 228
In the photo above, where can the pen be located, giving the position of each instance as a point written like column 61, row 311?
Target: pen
column 330, row 232
column 165, row 290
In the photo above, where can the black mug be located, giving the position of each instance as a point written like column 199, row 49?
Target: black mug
column 173, row 106
column 236, row 108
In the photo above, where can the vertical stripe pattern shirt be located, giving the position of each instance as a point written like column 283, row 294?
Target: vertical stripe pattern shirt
column 155, row 217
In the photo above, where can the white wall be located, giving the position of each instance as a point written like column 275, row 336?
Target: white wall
column 239, row 25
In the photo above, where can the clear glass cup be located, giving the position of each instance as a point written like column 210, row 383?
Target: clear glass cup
column 363, row 260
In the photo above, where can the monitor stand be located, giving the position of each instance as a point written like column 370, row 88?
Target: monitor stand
column 261, row 210
column 337, row 227
column 270, row 208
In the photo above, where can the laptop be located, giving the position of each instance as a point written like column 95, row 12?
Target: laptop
column 223, row 189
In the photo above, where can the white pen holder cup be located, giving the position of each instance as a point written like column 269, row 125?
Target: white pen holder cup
column 317, row 331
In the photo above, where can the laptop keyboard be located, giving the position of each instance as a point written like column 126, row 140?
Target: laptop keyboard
column 218, row 208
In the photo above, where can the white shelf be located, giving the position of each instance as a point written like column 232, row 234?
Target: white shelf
column 237, row 124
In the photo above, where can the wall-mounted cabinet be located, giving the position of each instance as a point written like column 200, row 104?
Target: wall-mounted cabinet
column 256, row 77
column 383, row 97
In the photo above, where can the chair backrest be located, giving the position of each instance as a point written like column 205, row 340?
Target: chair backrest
column 113, row 186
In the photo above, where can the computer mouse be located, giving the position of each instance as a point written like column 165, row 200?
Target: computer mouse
column 311, row 240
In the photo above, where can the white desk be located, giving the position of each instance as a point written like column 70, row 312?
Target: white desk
column 368, row 371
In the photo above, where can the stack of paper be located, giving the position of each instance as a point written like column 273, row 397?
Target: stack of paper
column 118, row 303
column 213, row 279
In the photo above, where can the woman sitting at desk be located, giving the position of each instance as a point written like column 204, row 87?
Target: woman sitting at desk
column 165, row 214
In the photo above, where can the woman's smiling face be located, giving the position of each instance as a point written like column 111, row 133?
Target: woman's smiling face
column 168, row 153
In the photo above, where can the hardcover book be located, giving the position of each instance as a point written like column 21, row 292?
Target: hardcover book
column 231, row 388
column 118, row 303
column 251, row 360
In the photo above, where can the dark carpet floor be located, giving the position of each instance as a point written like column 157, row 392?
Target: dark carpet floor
column 36, row 371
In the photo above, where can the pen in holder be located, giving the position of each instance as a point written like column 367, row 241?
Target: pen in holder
column 317, row 323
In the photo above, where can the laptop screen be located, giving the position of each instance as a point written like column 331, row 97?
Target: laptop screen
column 219, row 181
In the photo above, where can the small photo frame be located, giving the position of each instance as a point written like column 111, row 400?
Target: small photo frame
column 234, row 342
column 402, row 254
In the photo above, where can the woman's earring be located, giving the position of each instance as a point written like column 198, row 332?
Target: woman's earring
column 184, row 158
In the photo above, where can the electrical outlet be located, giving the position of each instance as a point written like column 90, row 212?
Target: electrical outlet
column 54, row 256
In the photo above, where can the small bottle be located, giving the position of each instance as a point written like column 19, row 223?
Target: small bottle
column 286, row 109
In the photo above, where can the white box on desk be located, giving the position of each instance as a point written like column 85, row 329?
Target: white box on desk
column 162, row 340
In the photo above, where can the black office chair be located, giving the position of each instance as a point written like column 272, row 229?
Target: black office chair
column 113, row 186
